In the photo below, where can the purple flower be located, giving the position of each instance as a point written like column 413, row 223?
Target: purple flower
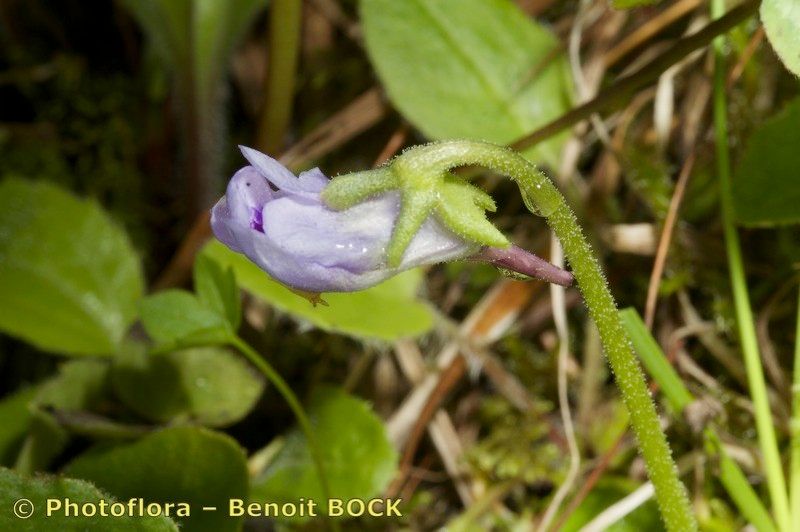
column 280, row 223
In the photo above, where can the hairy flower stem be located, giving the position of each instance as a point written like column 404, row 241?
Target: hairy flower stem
column 289, row 396
column 542, row 198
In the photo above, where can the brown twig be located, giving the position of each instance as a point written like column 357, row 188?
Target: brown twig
column 664, row 241
column 649, row 29
column 619, row 92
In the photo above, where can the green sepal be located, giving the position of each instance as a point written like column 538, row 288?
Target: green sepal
column 427, row 188
column 347, row 190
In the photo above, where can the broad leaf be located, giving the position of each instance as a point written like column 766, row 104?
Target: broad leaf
column 16, row 416
column 478, row 69
column 781, row 20
column 766, row 186
column 209, row 385
column 41, row 489
column 387, row 311
column 79, row 385
column 176, row 317
column 69, row 277
column 182, row 464
column 217, row 289
column 359, row 460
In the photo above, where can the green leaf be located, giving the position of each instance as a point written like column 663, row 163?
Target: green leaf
column 628, row 4
column 654, row 360
column 16, row 416
column 477, row 69
column 359, row 459
column 181, row 464
column 766, row 187
column 217, row 28
column 738, row 487
column 209, row 385
column 608, row 491
column 41, row 489
column 176, row 317
column 79, row 385
column 217, row 289
column 781, row 20
column 196, row 34
column 69, row 277
column 386, row 312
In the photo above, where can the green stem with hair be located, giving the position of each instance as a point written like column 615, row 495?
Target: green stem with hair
column 421, row 174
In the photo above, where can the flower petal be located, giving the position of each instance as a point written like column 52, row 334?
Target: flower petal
column 247, row 193
column 280, row 176
column 313, row 180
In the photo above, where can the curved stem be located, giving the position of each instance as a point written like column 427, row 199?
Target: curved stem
column 544, row 199
column 767, row 440
column 302, row 418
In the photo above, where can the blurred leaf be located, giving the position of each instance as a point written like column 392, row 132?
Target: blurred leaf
column 628, row 4
column 607, row 492
column 781, row 20
column 649, row 177
column 195, row 39
column 176, row 317
column 217, row 289
column 766, row 188
column 655, row 361
column 217, row 28
column 738, row 487
column 16, row 415
column 478, row 69
column 69, row 277
column 40, row 489
column 359, row 459
column 181, row 464
column 210, row 385
column 387, row 311
column 196, row 34
column 79, row 385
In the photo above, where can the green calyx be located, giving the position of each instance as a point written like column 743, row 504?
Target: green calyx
column 427, row 188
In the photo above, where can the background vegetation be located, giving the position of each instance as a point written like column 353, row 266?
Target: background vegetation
column 484, row 402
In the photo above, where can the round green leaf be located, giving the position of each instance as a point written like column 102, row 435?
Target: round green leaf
column 178, row 317
column 69, row 277
column 16, row 416
column 477, row 69
column 781, row 20
column 358, row 457
column 39, row 490
column 210, row 385
column 386, row 312
column 182, row 464
column 766, row 187
column 79, row 385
